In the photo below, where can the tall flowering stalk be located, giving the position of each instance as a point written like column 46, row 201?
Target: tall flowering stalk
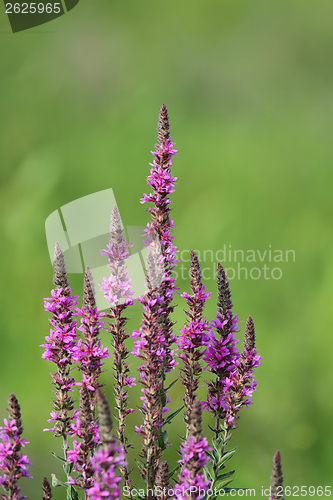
column 89, row 354
column 234, row 383
column 86, row 429
column 117, row 291
column 221, row 355
column 59, row 348
column 154, row 339
column 12, row 462
column 276, row 488
column 193, row 336
column 240, row 384
column 192, row 483
column 107, row 458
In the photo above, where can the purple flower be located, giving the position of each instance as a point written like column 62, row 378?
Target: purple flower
column 153, row 341
column 89, row 352
column 239, row 385
column 117, row 291
column 117, row 287
column 194, row 459
column 221, row 354
column 60, row 344
column 12, row 462
column 108, row 457
column 194, row 335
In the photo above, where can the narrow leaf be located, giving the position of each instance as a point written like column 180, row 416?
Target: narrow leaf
column 172, row 415
column 56, row 482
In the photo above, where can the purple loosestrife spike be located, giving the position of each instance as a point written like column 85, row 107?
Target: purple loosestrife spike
column 87, row 429
column 60, row 276
column 47, row 492
column 154, row 339
column 105, row 419
column 194, row 459
column 162, row 481
column 276, row 478
column 59, row 346
column 249, row 335
column 107, row 458
column 12, row 462
column 221, row 354
column 240, row 384
column 194, row 335
column 116, row 288
column 224, row 302
column 89, row 300
column 89, row 352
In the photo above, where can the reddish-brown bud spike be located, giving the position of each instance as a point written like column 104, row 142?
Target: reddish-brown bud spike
column 105, row 419
column 115, row 226
column 14, row 412
column 47, row 492
column 195, row 271
column 162, row 480
column 85, row 408
column 163, row 125
column 88, row 290
column 249, row 335
column 195, row 427
column 59, row 275
column 224, row 301
column 277, row 478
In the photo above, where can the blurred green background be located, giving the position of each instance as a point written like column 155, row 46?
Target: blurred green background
column 249, row 89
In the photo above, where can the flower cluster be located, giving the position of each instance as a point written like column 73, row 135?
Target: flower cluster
column 107, row 458
column 60, row 345
column 86, row 429
column 194, row 459
column 193, row 336
column 153, row 341
column 221, row 355
column 89, row 352
column 117, row 286
column 240, row 384
column 105, row 462
column 12, row 462
column 117, row 291
column 158, row 232
column 97, row 457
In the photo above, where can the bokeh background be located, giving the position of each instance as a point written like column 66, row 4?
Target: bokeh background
column 249, row 89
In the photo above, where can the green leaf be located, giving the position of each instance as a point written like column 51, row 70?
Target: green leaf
column 221, row 484
column 72, row 493
column 216, row 456
column 174, row 470
column 56, row 482
column 172, row 415
column 226, row 456
column 57, row 456
column 169, row 386
column 210, row 473
column 68, row 468
column 225, row 475
column 165, row 437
